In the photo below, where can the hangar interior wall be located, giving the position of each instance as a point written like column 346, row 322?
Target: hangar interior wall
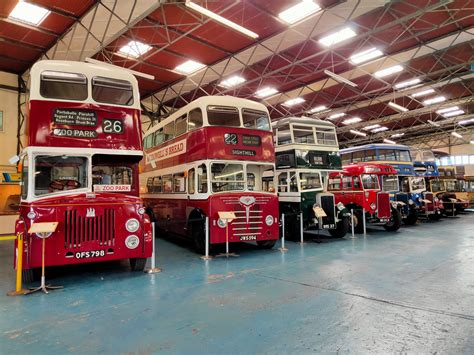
column 9, row 107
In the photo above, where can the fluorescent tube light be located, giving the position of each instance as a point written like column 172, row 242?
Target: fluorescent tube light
column 317, row 109
column 134, row 49
column 456, row 134
column 380, row 129
column 298, row 12
column 397, row 107
column 434, row 100
column 351, row 120
column 220, row 19
column 407, row 83
column 453, row 113
column 472, row 142
column 189, row 67
column 422, row 93
column 28, row 13
column 397, row 135
column 389, row 141
column 368, row 128
column 339, row 78
column 293, row 102
column 433, row 123
column 447, row 109
column 358, row 133
column 365, row 56
column 336, row 115
column 469, row 120
column 337, row 37
column 265, row 92
column 388, row 71
column 232, row 81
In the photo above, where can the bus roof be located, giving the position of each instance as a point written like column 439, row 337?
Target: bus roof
column 302, row 120
column 374, row 146
column 87, row 69
column 369, row 168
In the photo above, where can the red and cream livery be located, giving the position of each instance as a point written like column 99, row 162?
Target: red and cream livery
column 80, row 168
column 210, row 157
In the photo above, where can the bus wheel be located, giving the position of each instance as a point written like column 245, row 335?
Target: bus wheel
column 411, row 218
column 266, row 244
column 434, row 217
column 29, row 275
column 137, row 264
column 292, row 225
column 199, row 237
column 395, row 222
column 357, row 220
column 341, row 228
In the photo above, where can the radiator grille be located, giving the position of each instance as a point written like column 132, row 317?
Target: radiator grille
column 327, row 204
column 239, row 226
column 430, row 197
column 79, row 229
column 383, row 205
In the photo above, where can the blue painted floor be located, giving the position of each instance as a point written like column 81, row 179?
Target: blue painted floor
column 411, row 290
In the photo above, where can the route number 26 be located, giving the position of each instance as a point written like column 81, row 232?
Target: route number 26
column 112, row 126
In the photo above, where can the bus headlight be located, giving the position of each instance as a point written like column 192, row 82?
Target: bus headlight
column 340, row 206
column 141, row 210
column 221, row 223
column 132, row 241
column 31, row 215
column 132, row 225
column 410, row 201
column 269, row 220
column 373, row 206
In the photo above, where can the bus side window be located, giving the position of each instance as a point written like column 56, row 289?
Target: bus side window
column 195, row 119
column 158, row 137
column 179, row 182
column 251, row 181
column 405, row 185
column 191, row 180
column 168, row 131
column 346, row 158
column 24, row 177
column 167, row 183
column 370, row 155
column 346, row 182
column 149, row 185
column 282, row 182
column 356, row 182
column 148, row 142
column 156, row 184
column 181, row 125
column 202, row 179
column 293, row 184
column 358, row 156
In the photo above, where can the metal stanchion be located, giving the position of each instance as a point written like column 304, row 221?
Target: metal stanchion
column 283, row 249
column 301, row 228
column 153, row 269
column 19, row 290
column 352, row 223
column 207, row 236
column 363, row 222
column 227, row 254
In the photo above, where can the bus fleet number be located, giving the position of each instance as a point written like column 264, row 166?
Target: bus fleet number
column 112, row 126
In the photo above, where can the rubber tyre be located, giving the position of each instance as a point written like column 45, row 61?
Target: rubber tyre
column 199, row 238
column 341, row 228
column 292, row 226
column 435, row 217
column 359, row 225
column 266, row 244
column 30, row 275
column 137, row 264
column 395, row 223
column 411, row 219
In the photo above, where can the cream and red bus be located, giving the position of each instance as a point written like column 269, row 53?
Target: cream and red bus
column 213, row 155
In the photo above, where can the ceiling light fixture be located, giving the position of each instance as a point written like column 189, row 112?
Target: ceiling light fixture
column 389, row 141
column 422, row 93
column 470, row 120
column 397, row 135
column 434, row 100
column 336, row 115
column 380, row 129
column 337, row 37
column 189, row 67
column 388, row 71
column 351, row 120
column 265, row 92
column 220, row 19
column 453, row 113
column 28, row 13
column 299, row 11
column 339, row 78
column 317, row 109
column 368, row 128
column 456, row 134
column 472, row 142
column 433, row 123
column 407, row 83
column 447, row 109
column 293, row 102
column 397, row 107
column 134, row 49
column 365, row 56
column 358, row 133
column 232, row 81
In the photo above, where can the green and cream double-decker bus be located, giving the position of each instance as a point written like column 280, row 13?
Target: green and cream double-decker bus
column 306, row 151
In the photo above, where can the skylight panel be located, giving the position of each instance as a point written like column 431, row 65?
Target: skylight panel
column 407, row 83
column 300, row 11
column 189, row 67
column 388, row 71
column 28, row 13
column 422, row 93
column 265, row 92
column 358, row 133
column 434, row 100
column 317, row 109
column 295, row 101
column 365, row 56
column 337, row 37
column 232, row 81
column 397, row 107
column 351, row 120
column 134, row 49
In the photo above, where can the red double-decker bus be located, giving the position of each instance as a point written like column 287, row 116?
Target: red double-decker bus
column 214, row 155
column 80, row 167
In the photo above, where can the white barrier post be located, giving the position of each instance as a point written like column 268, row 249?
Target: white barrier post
column 301, row 228
column 206, row 236
column 153, row 269
column 352, row 222
column 363, row 221
column 282, row 249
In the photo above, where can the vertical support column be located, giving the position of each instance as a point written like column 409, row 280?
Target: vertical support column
column 19, row 268
column 207, row 237
column 153, row 269
column 352, row 222
column 363, row 221
column 283, row 233
column 301, row 227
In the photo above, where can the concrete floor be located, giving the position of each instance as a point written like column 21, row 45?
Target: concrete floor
column 412, row 290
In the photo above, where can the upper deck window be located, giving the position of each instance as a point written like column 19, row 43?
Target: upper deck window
column 370, row 181
column 403, row 155
column 223, row 116
column 181, row 125
column 255, row 119
column 63, row 86
column 387, row 154
column 112, row 91
column 303, row 134
column 326, row 136
column 310, row 181
column 194, row 119
column 148, row 142
column 283, row 135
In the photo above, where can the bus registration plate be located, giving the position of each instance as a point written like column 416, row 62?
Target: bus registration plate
column 247, row 238
column 89, row 254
